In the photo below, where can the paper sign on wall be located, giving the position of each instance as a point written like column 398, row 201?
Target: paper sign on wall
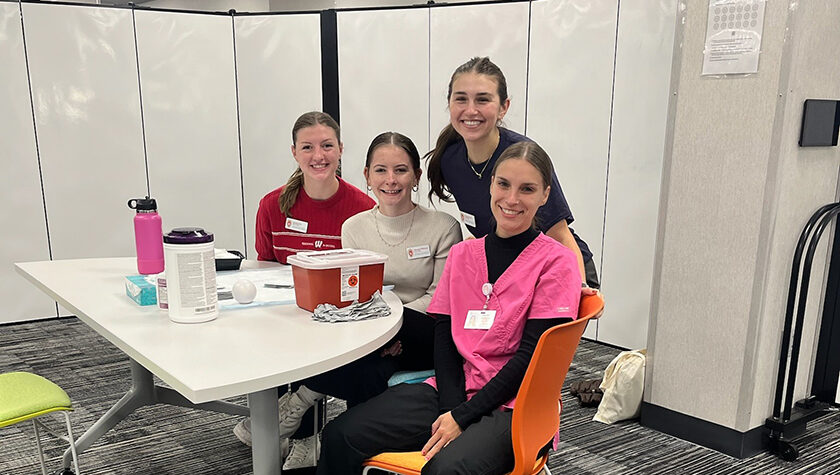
column 733, row 36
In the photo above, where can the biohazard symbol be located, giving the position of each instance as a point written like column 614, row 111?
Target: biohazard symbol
column 352, row 281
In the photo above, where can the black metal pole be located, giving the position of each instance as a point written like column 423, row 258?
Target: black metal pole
column 803, row 301
column 791, row 304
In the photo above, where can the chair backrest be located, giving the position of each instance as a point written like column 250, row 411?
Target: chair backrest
column 536, row 416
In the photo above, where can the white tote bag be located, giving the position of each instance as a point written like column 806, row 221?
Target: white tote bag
column 623, row 385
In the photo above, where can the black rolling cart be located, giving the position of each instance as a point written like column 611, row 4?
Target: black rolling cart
column 791, row 419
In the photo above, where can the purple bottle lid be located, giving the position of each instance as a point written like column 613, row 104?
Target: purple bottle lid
column 187, row 236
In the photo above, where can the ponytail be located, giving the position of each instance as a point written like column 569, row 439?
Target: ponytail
column 290, row 192
column 438, row 188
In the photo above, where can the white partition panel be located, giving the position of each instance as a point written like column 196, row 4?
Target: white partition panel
column 643, row 73
column 278, row 61
column 569, row 93
column 383, row 81
column 87, row 110
column 189, row 104
column 463, row 32
column 22, row 222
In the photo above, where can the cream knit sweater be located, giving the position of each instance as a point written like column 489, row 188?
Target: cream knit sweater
column 414, row 279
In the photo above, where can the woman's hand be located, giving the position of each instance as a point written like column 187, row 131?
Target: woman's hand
column 586, row 290
column 394, row 350
column 444, row 431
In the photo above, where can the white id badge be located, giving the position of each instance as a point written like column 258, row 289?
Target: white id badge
column 296, row 225
column 467, row 219
column 479, row 319
column 418, row 252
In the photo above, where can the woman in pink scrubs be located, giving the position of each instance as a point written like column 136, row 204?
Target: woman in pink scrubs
column 496, row 297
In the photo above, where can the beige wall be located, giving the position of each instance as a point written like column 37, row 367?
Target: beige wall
column 736, row 192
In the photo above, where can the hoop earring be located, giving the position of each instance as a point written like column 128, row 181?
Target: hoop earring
column 369, row 188
column 415, row 188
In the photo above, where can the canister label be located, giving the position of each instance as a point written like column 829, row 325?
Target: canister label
column 349, row 283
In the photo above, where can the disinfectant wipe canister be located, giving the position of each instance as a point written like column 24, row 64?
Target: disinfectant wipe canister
column 147, row 235
column 190, row 275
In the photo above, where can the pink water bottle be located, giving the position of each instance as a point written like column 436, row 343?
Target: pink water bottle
column 148, row 235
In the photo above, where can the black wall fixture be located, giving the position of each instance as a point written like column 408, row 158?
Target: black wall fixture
column 820, row 123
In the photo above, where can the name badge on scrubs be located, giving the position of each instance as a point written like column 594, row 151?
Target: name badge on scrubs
column 467, row 219
column 479, row 319
column 418, row 252
column 293, row 224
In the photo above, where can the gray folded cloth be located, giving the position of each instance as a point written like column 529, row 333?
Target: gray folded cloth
column 373, row 308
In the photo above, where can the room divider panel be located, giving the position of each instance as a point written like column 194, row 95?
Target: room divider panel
column 569, row 106
column 637, row 144
column 22, row 223
column 87, row 113
column 278, row 70
column 198, row 107
column 384, row 81
column 189, row 106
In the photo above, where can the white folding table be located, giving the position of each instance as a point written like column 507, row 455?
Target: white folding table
column 249, row 351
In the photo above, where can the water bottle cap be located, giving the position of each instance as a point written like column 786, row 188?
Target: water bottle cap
column 187, row 236
column 143, row 204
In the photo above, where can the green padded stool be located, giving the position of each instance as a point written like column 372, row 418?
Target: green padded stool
column 25, row 396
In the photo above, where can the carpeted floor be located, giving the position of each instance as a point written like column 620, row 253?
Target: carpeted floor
column 169, row 440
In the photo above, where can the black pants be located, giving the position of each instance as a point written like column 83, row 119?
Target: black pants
column 400, row 419
column 367, row 377
column 591, row 274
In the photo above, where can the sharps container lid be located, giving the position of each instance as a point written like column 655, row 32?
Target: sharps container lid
column 187, row 236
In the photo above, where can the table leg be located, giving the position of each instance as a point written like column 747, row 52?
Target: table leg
column 143, row 392
column 174, row 398
column 265, row 433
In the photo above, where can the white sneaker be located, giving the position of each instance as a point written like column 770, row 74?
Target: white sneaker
column 242, row 430
column 302, row 453
column 292, row 410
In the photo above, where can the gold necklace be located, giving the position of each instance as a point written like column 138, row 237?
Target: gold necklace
column 478, row 174
column 497, row 138
column 376, row 223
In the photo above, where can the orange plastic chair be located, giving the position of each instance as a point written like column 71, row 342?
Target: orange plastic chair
column 536, row 416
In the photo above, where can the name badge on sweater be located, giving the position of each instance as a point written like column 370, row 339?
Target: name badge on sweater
column 293, row 224
column 467, row 219
column 418, row 252
column 479, row 319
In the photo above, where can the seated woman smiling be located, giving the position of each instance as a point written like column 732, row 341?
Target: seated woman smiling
column 495, row 298
column 416, row 241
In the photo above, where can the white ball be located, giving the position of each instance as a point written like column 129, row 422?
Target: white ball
column 244, row 291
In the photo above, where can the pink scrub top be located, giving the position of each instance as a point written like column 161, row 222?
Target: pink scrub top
column 543, row 282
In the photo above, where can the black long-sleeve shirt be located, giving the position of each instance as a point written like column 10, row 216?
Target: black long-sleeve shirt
column 504, row 385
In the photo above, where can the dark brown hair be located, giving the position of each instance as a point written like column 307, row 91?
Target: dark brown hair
column 478, row 65
column 536, row 156
column 290, row 192
column 533, row 154
column 399, row 140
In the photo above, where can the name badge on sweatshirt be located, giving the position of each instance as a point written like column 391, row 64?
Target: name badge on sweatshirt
column 467, row 219
column 418, row 252
column 293, row 224
column 479, row 319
